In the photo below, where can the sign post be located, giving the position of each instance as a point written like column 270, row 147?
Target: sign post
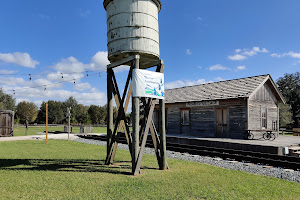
column 69, row 115
column 46, row 123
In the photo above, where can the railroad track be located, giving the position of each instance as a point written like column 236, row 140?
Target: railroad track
column 288, row 162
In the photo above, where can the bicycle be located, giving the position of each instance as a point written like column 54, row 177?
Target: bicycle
column 269, row 136
column 248, row 135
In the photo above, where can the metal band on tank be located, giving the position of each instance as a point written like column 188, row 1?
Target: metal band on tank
column 132, row 37
column 131, row 27
column 130, row 13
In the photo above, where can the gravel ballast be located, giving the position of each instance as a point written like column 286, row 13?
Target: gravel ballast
column 276, row 172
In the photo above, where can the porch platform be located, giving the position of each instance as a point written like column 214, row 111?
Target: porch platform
column 256, row 145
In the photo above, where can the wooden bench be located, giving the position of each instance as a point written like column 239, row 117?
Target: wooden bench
column 259, row 130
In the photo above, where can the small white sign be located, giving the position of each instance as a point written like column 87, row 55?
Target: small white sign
column 202, row 103
column 148, row 84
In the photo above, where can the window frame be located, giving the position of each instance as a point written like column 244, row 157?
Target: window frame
column 264, row 117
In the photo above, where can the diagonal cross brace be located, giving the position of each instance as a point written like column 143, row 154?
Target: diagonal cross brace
column 121, row 117
column 145, row 136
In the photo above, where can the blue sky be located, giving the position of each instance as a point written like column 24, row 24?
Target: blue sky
column 201, row 41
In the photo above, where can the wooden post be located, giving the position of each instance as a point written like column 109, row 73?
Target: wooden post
column 46, row 123
column 162, row 126
column 135, row 123
column 110, row 111
column 163, row 146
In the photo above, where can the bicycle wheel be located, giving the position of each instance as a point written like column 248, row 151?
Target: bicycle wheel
column 272, row 136
column 250, row 136
column 266, row 136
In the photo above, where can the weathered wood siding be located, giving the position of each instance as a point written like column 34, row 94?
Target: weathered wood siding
column 237, row 116
column 173, row 122
column 203, row 119
column 263, row 98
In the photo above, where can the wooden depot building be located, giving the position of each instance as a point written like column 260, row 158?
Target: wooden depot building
column 223, row 109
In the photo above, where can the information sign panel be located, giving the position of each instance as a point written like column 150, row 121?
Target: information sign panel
column 148, row 84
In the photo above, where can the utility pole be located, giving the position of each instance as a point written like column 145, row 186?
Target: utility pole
column 69, row 115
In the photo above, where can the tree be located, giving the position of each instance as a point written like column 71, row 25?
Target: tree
column 289, row 85
column 7, row 102
column 72, row 103
column 285, row 115
column 96, row 114
column 26, row 112
column 56, row 115
column 82, row 115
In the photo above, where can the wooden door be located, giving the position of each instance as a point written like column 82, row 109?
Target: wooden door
column 222, row 130
column 6, row 123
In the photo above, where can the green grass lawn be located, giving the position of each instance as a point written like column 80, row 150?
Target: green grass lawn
column 32, row 130
column 70, row 170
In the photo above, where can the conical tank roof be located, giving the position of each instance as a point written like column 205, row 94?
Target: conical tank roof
column 157, row 2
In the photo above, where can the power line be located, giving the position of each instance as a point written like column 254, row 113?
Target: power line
column 55, row 83
column 53, row 73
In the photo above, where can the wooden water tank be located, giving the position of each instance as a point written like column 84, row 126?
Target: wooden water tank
column 132, row 28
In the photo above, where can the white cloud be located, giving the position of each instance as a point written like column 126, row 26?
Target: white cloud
column 21, row 59
column 199, row 67
column 44, row 17
column 250, row 53
column 12, row 81
column 188, row 52
column 99, row 61
column 82, row 86
column 245, row 53
column 180, row 83
column 276, row 55
column 68, row 69
column 218, row 67
column 219, row 79
column 52, row 86
column 8, row 72
column 85, row 14
column 70, row 65
column 241, row 67
column 237, row 57
column 290, row 54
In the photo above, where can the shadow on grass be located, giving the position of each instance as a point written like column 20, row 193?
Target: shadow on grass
column 64, row 165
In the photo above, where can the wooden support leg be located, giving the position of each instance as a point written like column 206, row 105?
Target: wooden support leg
column 135, row 125
column 110, row 115
column 162, row 125
column 163, row 146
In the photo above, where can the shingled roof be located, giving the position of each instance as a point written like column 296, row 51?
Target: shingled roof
column 231, row 89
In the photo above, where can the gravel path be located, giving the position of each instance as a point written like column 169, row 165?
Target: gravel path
column 286, row 174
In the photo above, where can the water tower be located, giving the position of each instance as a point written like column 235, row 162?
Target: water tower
column 133, row 39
